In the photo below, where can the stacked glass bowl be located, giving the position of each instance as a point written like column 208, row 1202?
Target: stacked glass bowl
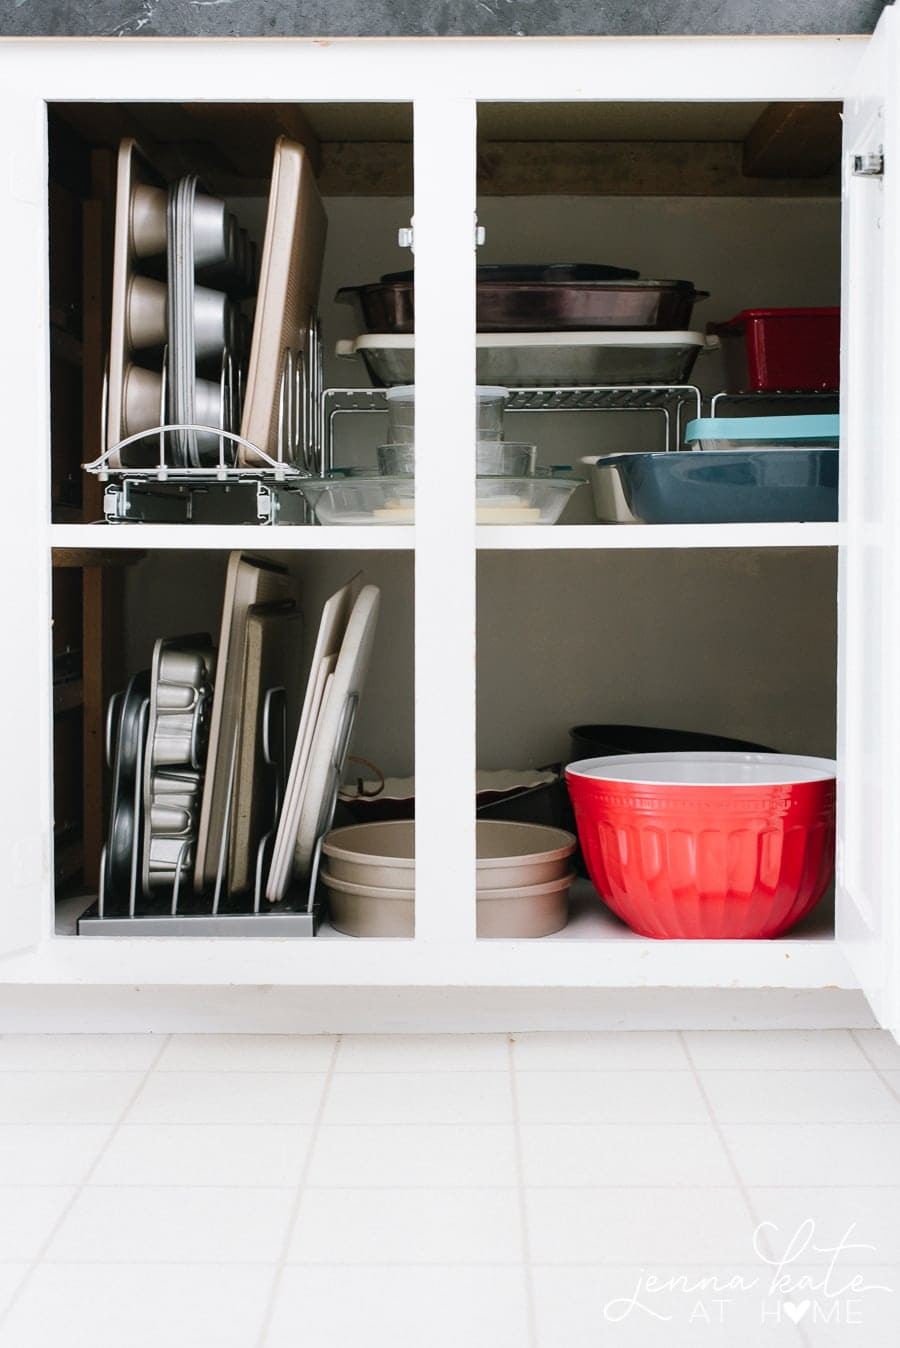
column 510, row 489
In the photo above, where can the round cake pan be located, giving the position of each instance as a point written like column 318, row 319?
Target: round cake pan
column 526, row 911
column 380, row 854
column 510, row 912
column 369, row 910
column 511, row 855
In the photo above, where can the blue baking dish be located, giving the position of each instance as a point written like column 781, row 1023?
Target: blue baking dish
column 730, row 486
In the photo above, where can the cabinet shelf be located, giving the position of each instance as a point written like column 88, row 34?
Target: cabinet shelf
column 503, row 538
column 251, row 537
column 391, row 538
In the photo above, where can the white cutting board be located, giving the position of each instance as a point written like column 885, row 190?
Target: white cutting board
column 290, row 272
column 282, row 855
column 348, row 680
column 332, row 626
column 249, row 580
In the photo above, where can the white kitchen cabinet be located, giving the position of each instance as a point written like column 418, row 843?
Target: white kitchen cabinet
column 445, row 975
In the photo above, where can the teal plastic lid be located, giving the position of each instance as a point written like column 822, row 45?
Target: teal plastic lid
column 818, row 428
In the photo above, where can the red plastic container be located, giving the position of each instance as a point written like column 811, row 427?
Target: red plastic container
column 706, row 846
column 781, row 350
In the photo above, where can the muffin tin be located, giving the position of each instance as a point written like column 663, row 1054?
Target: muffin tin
column 177, row 729
column 181, row 265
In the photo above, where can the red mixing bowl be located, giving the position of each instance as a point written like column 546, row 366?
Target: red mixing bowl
column 706, row 846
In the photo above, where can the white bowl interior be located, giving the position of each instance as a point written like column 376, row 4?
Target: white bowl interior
column 706, row 768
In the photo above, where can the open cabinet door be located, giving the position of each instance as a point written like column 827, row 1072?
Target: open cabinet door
column 24, row 559
column 868, row 857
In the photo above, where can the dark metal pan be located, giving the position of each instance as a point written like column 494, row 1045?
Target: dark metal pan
column 536, row 271
column 539, row 306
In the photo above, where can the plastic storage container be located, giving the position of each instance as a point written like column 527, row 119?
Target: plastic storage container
column 809, row 432
column 772, row 350
column 401, row 403
column 493, row 458
column 708, row 846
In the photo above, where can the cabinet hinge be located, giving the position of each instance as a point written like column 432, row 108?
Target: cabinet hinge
column 869, row 165
column 406, row 236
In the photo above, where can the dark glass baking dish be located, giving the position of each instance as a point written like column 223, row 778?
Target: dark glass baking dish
column 574, row 305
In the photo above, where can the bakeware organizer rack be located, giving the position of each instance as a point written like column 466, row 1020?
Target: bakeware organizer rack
column 784, row 398
column 669, row 402
column 163, row 490
column 183, row 912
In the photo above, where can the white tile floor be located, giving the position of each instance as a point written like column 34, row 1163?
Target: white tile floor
column 535, row 1191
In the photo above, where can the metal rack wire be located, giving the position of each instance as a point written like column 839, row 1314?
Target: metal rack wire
column 667, row 400
column 781, row 396
column 165, row 490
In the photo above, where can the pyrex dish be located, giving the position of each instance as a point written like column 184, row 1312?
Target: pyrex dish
column 493, row 458
column 401, row 402
column 807, row 432
column 789, row 349
column 722, row 846
column 731, row 486
column 545, row 360
column 391, row 500
column 519, row 912
column 538, row 306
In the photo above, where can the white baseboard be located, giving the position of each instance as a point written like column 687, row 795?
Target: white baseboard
column 278, row 1010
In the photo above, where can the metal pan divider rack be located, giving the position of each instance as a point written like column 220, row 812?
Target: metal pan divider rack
column 164, row 491
column 668, row 401
column 298, row 915
column 783, row 397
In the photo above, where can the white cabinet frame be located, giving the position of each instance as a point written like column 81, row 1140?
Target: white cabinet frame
column 444, row 80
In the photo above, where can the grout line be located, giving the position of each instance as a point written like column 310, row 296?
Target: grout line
column 457, row 1188
column 733, row 1166
column 682, row 1264
column 873, row 1065
column 523, row 1210
column 85, row 1181
column 294, row 1214
column 640, row 1121
column 593, row 1124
